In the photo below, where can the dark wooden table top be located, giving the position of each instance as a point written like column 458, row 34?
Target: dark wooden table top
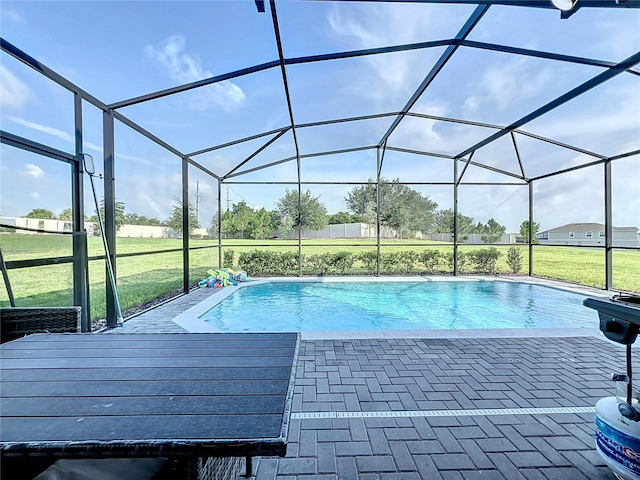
column 153, row 394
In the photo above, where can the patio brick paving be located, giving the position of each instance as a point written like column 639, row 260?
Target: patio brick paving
column 396, row 375
column 391, row 376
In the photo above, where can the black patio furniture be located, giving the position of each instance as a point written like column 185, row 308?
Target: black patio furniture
column 17, row 322
column 204, row 401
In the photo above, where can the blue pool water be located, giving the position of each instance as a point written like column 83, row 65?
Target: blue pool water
column 304, row 306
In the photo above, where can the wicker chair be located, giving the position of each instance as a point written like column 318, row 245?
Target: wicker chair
column 17, row 322
column 220, row 468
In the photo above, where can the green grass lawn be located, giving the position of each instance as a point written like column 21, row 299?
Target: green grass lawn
column 146, row 277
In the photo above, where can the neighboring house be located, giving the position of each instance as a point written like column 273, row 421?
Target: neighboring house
column 586, row 234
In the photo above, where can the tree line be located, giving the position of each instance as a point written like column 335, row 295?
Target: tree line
column 402, row 208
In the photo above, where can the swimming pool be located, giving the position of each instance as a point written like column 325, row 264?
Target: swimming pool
column 452, row 305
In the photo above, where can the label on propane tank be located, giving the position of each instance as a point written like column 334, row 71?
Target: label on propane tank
column 621, row 448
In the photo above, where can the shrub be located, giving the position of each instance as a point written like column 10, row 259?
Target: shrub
column 430, row 259
column 390, row 262
column 228, row 257
column 408, row 260
column 265, row 262
column 315, row 264
column 486, row 260
column 370, row 261
column 340, row 262
column 255, row 262
column 285, row 263
column 463, row 261
column 399, row 262
column 514, row 259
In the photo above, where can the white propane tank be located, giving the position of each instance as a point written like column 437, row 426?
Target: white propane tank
column 618, row 439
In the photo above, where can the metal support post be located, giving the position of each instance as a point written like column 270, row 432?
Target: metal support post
column 110, row 215
column 608, row 227
column 7, row 283
column 299, row 221
column 379, row 254
column 219, row 224
column 185, row 225
column 530, row 239
column 80, row 284
column 455, row 217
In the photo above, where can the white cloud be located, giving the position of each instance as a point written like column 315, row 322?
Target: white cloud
column 93, row 146
column 144, row 201
column 507, row 84
column 186, row 67
column 437, row 136
column 34, row 170
column 471, row 105
column 140, row 160
column 68, row 138
column 120, row 156
column 607, row 124
column 181, row 66
column 507, row 204
column 12, row 15
column 344, row 25
column 619, row 39
column 392, row 78
column 13, row 92
column 149, row 195
column 219, row 162
column 43, row 128
column 355, row 26
column 421, row 134
column 555, row 198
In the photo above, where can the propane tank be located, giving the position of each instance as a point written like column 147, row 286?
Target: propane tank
column 618, row 438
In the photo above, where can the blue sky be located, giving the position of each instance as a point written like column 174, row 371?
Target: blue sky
column 117, row 50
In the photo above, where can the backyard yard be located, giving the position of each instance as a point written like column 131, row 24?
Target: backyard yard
column 157, row 273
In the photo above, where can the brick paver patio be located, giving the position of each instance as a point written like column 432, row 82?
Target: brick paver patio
column 383, row 409
column 419, row 375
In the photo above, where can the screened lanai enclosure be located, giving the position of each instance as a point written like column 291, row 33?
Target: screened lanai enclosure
column 312, row 138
